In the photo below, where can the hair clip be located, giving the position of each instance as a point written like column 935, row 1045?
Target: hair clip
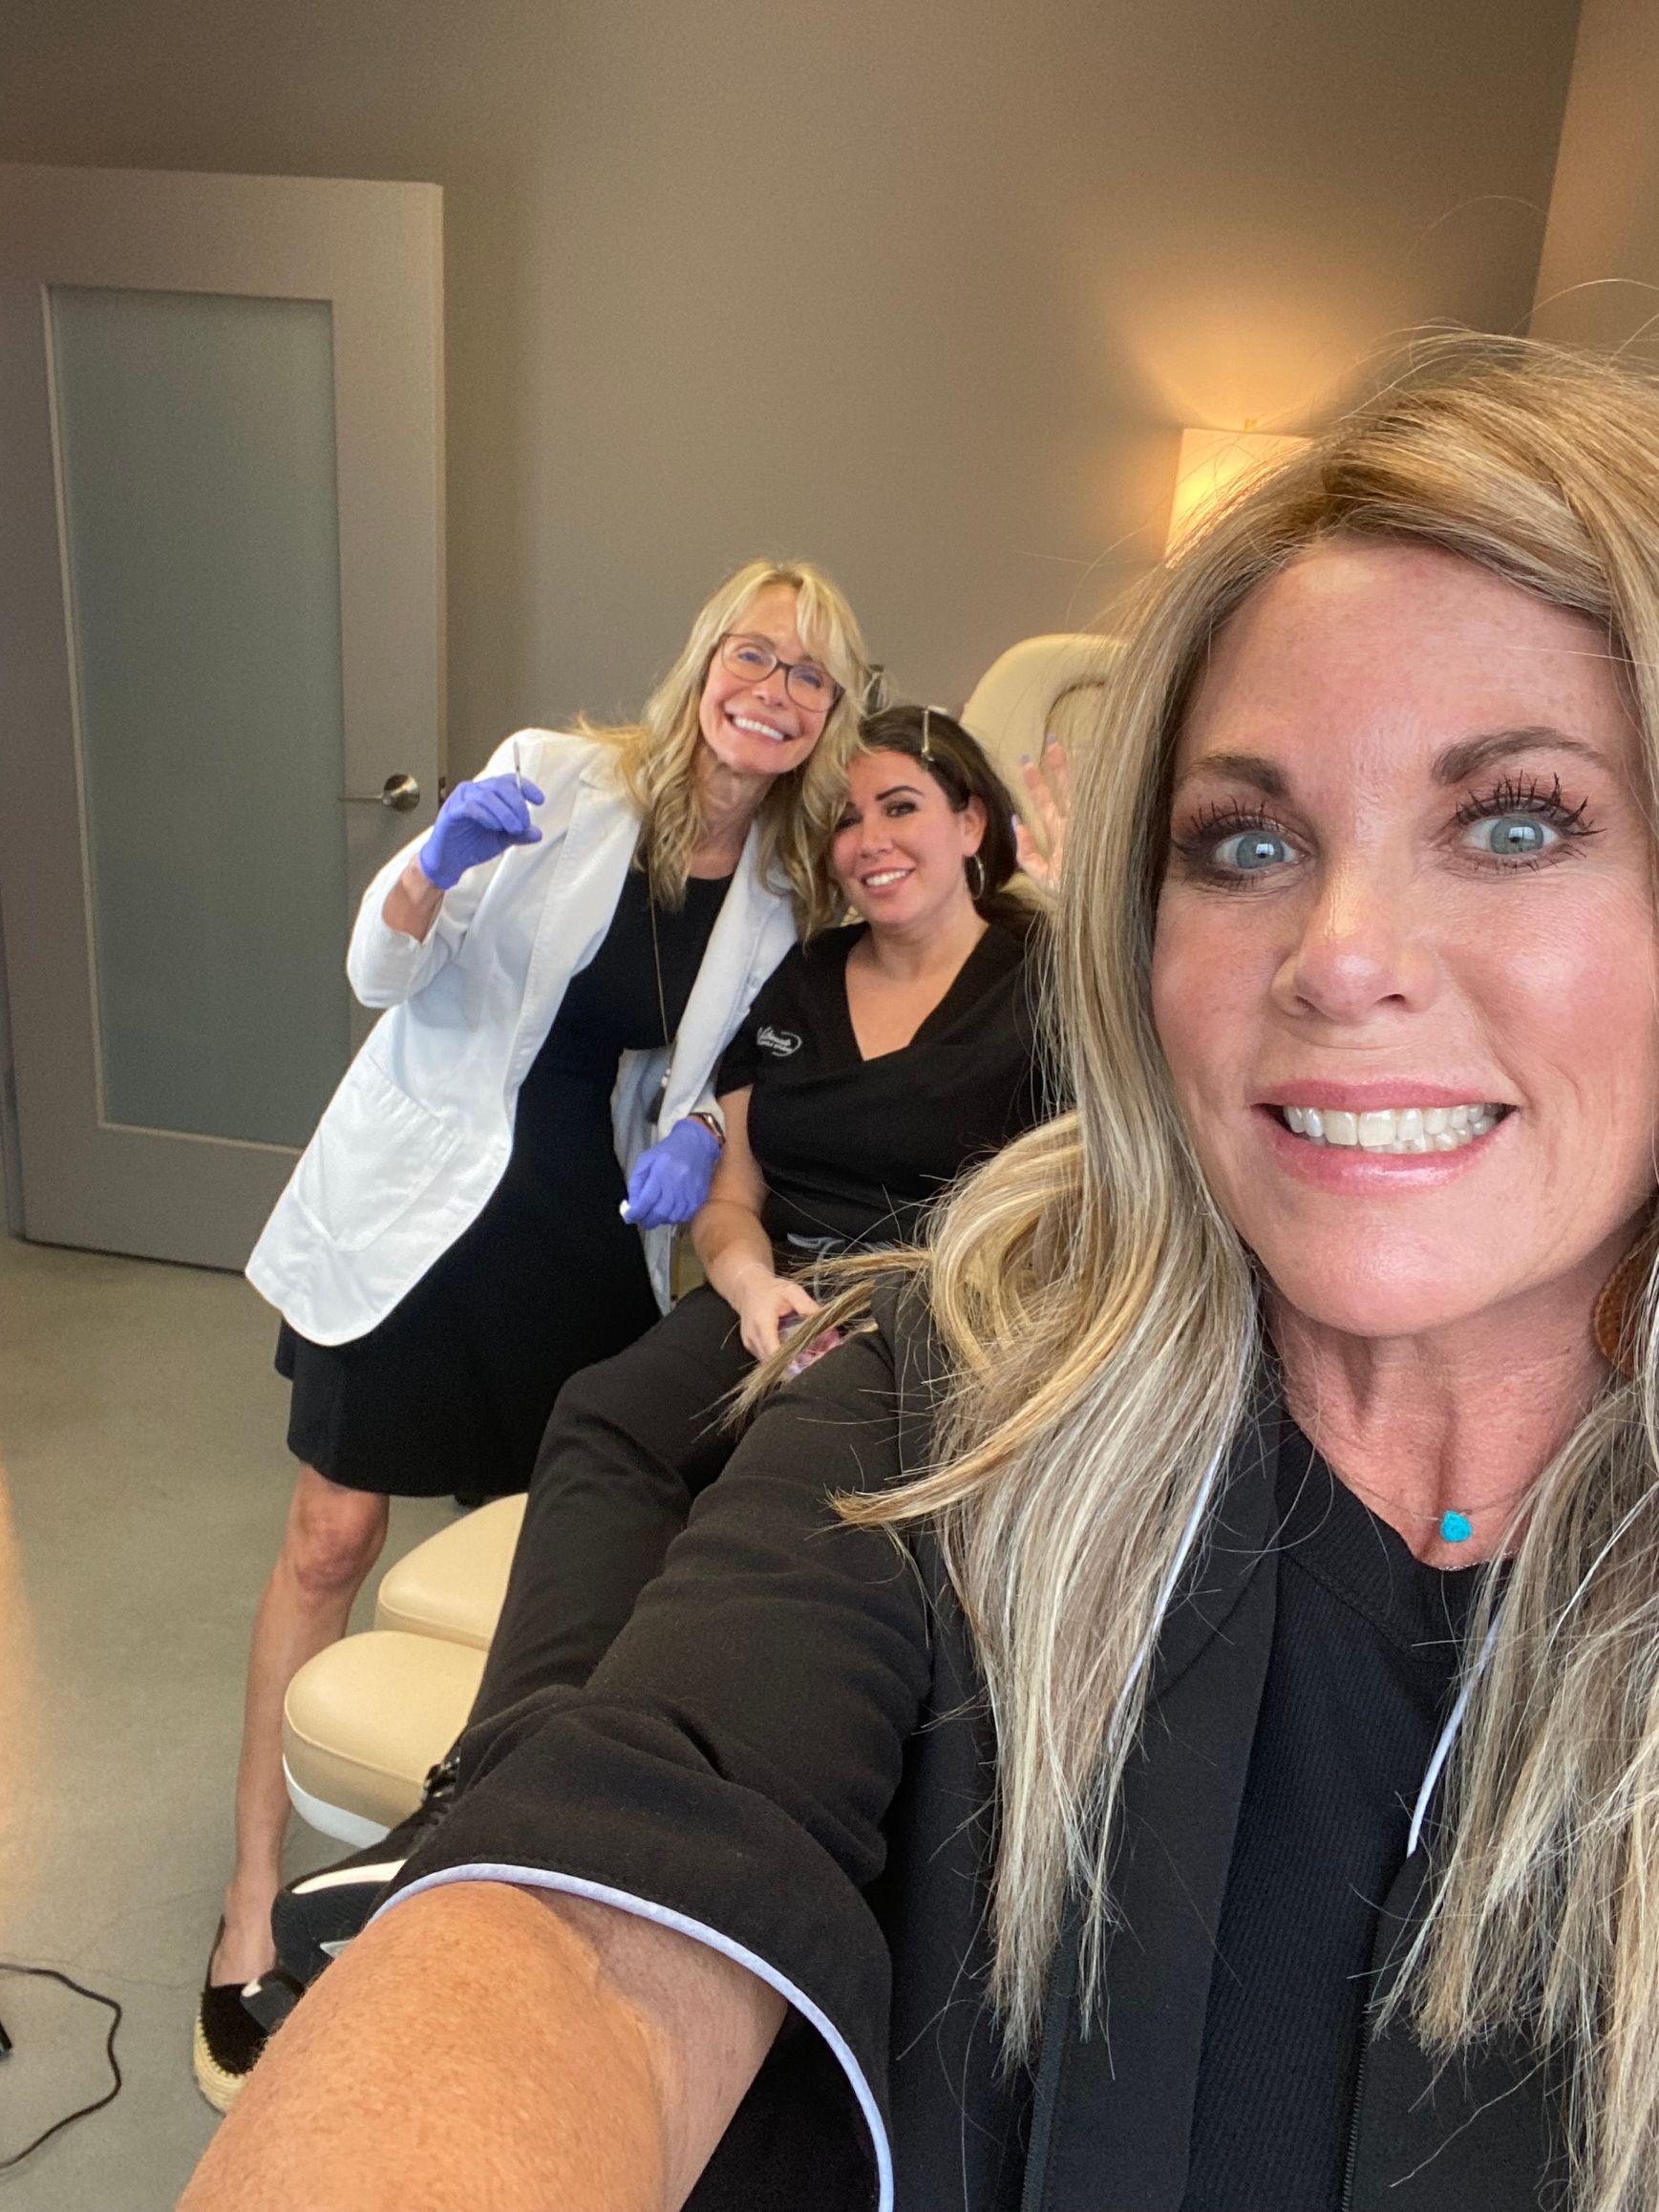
column 927, row 734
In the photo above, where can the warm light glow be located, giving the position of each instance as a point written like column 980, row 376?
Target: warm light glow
column 1213, row 465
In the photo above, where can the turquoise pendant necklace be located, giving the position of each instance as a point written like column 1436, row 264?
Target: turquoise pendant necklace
column 1457, row 1527
column 1456, row 1523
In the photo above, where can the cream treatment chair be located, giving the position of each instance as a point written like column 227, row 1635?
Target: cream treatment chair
column 365, row 1719
column 1042, row 687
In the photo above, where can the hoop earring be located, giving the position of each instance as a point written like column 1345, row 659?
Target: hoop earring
column 976, row 876
column 1615, row 1315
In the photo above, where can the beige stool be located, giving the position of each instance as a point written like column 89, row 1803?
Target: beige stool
column 365, row 1719
column 452, row 1585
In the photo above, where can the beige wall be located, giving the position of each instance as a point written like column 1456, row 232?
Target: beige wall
column 923, row 287
column 1598, row 282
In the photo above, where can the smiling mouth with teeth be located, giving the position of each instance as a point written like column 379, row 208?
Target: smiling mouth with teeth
column 760, row 728
column 1415, row 1129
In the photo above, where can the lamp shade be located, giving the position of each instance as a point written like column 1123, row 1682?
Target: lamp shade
column 1213, row 465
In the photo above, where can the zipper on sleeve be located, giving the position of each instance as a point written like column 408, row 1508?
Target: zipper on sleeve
column 1352, row 2159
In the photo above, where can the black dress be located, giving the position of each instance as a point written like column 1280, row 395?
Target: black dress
column 452, row 1391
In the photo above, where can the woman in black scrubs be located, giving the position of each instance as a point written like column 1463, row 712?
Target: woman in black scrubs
column 879, row 1061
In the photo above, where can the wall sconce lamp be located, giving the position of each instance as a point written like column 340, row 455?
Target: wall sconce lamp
column 1216, row 463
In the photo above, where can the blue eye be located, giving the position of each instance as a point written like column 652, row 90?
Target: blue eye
column 1248, row 851
column 810, row 679
column 1512, row 836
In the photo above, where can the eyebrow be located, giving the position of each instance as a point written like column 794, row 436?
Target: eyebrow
column 1460, row 762
column 893, row 791
column 1252, row 768
column 760, row 637
column 1456, row 764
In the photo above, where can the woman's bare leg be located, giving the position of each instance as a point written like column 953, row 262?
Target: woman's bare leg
column 332, row 1539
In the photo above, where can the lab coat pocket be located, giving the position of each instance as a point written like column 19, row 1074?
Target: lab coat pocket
column 376, row 1151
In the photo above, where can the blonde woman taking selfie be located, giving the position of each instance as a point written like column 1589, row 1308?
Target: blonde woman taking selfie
column 1167, row 1721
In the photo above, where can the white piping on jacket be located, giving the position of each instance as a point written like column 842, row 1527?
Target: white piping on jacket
column 642, row 1908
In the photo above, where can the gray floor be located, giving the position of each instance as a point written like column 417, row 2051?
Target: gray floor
column 143, row 1483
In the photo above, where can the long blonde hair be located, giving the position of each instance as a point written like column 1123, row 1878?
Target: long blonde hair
column 657, row 753
column 1102, row 1320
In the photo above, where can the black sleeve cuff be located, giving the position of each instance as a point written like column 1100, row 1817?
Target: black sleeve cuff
column 641, row 1828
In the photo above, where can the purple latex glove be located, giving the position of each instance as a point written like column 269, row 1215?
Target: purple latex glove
column 670, row 1180
column 477, row 821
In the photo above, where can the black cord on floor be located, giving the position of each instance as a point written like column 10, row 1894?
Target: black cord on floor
column 85, row 2111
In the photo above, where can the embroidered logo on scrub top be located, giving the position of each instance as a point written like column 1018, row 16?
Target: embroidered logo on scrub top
column 780, row 1043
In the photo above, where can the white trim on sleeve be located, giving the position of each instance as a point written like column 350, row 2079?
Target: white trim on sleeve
column 572, row 1886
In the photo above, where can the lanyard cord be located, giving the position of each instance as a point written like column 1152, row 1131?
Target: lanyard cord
column 657, row 962
column 1442, row 1751
column 1172, row 1575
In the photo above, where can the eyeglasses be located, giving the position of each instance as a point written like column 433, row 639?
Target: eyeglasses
column 808, row 682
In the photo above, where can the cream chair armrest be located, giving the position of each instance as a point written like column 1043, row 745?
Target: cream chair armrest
column 452, row 1585
column 365, row 1719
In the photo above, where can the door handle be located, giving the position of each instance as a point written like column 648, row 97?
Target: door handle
column 400, row 793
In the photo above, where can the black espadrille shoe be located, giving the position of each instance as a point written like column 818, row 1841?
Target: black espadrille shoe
column 228, row 2040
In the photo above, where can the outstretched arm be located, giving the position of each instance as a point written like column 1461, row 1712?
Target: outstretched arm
column 484, row 2049
column 480, row 2049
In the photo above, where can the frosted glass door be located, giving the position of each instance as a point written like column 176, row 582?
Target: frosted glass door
column 196, row 448
column 220, row 624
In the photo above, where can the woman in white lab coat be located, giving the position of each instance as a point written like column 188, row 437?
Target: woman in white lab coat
column 564, row 957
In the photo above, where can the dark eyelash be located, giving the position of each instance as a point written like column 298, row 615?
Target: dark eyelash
column 1217, row 819
column 1530, row 795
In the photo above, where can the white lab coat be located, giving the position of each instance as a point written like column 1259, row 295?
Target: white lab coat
column 418, row 1134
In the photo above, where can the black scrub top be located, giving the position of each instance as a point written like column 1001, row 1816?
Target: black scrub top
column 851, row 1150
column 1367, row 1645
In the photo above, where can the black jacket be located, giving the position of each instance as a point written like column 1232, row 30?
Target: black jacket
column 786, row 1753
